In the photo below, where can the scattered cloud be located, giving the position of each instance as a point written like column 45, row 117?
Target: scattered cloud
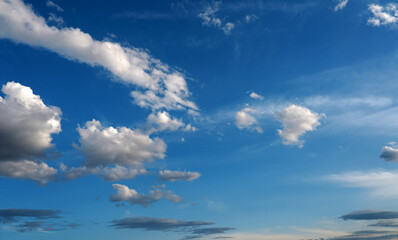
column 26, row 128
column 340, row 5
column 296, row 121
column 162, row 121
column 114, row 173
column 125, row 194
column 209, row 18
column 256, row 96
column 383, row 15
column 171, row 176
column 370, row 215
column 385, row 223
column 245, row 120
column 157, row 224
column 390, row 154
column 59, row 21
column 381, row 183
column 369, row 235
column 213, row 230
column 51, row 4
column 158, row 86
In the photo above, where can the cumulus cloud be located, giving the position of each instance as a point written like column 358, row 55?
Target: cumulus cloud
column 162, row 121
column 114, row 173
column 26, row 128
column 383, row 15
column 381, row 183
column 389, row 154
column 296, row 121
column 159, row 85
column 370, row 215
column 209, row 18
column 340, row 5
column 104, row 146
column 171, row 176
column 245, row 120
column 126, row 194
column 156, row 224
column 256, row 96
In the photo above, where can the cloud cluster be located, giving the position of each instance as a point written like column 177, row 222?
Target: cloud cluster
column 172, row 176
column 209, row 18
column 125, row 194
column 296, row 121
column 383, row 15
column 26, row 128
column 244, row 119
column 159, row 85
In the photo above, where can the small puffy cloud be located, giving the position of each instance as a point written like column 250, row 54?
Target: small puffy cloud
column 39, row 172
column 381, row 183
column 123, row 146
column 158, row 86
column 370, row 215
column 383, row 15
column 156, row 224
column 245, row 120
column 124, row 193
column 51, row 4
column 296, row 121
column 389, row 154
column 256, row 96
column 26, row 128
column 171, row 176
column 340, row 5
column 161, row 121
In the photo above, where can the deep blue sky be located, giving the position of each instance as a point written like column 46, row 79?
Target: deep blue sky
column 286, row 119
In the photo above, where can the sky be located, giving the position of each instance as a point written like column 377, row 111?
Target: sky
column 178, row 119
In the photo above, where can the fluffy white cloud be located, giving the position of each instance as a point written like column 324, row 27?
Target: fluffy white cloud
column 209, row 18
column 256, row 96
column 162, row 121
column 124, row 193
column 340, row 5
column 296, row 121
column 104, row 146
column 383, row 15
column 389, row 154
column 162, row 86
column 26, row 123
column 26, row 169
column 167, row 175
column 26, row 126
column 244, row 119
column 381, row 183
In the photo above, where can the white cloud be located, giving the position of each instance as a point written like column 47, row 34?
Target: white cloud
column 162, row 87
column 161, row 121
column 54, row 5
column 26, row 126
column 389, row 154
column 209, row 18
column 56, row 19
column 296, row 121
column 104, row 146
column 256, row 96
column 383, row 15
column 115, row 173
column 244, row 119
column 124, row 193
column 167, row 175
column 340, row 5
column 381, row 183
column 26, row 169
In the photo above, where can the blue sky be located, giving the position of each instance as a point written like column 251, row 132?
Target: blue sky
column 205, row 120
